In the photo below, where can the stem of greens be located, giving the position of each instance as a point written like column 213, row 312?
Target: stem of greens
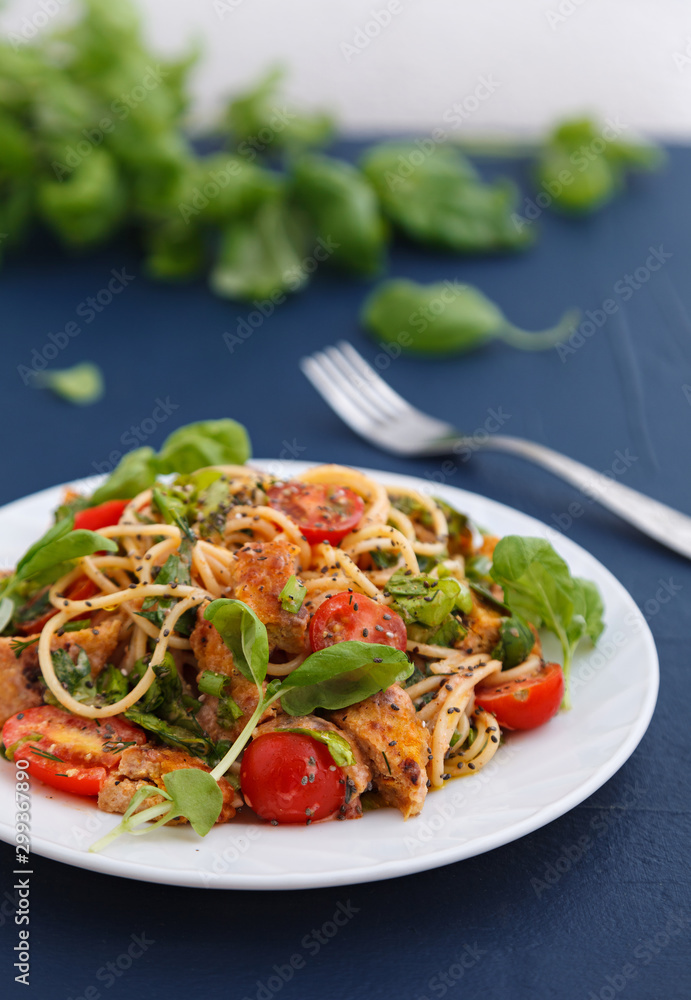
column 541, row 339
column 239, row 744
column 566, row 700
column 129, row 822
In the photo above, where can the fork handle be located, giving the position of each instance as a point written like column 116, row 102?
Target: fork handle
column 666, row 525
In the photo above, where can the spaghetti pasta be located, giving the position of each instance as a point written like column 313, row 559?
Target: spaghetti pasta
column 163, row 571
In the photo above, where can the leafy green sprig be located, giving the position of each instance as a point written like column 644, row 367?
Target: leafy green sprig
column 47, row 560
column 331, row 678
column 538, row 586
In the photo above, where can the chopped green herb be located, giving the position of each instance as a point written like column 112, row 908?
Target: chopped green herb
column 292, row 595
column 82, row 385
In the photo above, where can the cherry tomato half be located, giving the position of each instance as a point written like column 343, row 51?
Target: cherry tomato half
column 66, row 751
column 103, row 516
column 323, row 513
column 526, row 702
column 350, row 616
column 291, row 778
column 81, row 590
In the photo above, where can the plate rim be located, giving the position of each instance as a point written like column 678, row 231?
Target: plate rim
column 193, row 878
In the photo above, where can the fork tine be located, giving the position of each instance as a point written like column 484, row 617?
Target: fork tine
column 361, row 379
column 339, row 403
column 384, row 391
column 342, row 384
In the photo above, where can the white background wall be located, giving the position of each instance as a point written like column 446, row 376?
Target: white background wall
column 545, row 58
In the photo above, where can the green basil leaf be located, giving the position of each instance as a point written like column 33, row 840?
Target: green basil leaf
column 595, row 166
column 74, row 677
column 83, row 384
column 262, row 256
column 208, row 442
column 338, row 746
column 292, row 595
column 341, row 675
column 244, row 635
column 344, row 210
column 135, row 472
column 58, row 530
column 111, row 684
column 196, row 796
column 446, row 634
column 538, row 586
column 261, row 112
column 176, row 569
column 62, row 549
column 536, row 581
column 424, row 599
column 588, row 604
column 439, row 199
column 448, row 318
column 177, row 736
column 515, row 642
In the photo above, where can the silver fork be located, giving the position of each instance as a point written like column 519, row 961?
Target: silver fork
column 374, row 411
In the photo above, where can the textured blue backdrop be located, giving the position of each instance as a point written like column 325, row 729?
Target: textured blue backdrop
column 483, row 927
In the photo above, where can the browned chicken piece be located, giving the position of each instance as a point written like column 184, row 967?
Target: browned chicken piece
column 483, row 628
column 260, row 572
column 358, row 775
column 213, row 654
column 21, row 683
column 147, row 765
column 395, row 744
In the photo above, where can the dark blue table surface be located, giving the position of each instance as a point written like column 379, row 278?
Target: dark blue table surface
column 617, row 919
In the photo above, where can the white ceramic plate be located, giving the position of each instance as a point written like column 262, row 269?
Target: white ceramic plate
column 534, row 778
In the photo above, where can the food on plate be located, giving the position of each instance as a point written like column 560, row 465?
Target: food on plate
column 307, row 648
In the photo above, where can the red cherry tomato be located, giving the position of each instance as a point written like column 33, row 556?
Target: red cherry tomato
column 81, row 590
column 291, row 778
column 323, row 513
column 526, row 702
column 102, row 516
column 350, row 616
column 66, row 751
